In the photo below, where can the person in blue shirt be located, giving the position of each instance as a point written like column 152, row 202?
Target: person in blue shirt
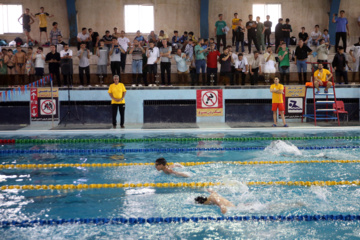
column 140, row 38
column 342, row 26
column 176, row 40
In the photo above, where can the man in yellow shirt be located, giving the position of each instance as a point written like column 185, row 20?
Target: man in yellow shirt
column 321, row 78
column 277, row 91
column 235, row 23
column 117, row 93
column 42, row 15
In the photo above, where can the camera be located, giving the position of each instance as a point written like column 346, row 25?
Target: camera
column 67, row 54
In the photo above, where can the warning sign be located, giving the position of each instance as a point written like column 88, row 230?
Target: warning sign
column 42, row 107
column 209, row 103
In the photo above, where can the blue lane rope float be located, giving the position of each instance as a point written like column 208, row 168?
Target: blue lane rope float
column 159, row 220
column 118, row 150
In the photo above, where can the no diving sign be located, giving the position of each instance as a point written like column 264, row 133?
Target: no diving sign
column 209, row 103
column 47, row 107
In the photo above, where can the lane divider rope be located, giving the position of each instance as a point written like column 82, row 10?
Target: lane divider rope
column 98, row 165
column 158, row 220
column 173, row 185
column 119, row 140
column 118, row 150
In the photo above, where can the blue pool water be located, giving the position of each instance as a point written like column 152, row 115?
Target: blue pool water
column 150, row 202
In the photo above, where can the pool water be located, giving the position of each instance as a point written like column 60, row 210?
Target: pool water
column 250, row 200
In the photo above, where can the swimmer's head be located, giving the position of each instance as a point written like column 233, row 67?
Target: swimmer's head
column 200, row 199
column 160, row 163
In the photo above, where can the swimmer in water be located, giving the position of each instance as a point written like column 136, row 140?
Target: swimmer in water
column 215, row 199
column 161, row 165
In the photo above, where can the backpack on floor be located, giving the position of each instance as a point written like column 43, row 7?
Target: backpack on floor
column 18, row 41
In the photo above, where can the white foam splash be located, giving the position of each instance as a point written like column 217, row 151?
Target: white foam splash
column 280, row 147
column 320, row 192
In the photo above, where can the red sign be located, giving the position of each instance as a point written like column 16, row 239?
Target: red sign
column 33, row 103
column 209, row 103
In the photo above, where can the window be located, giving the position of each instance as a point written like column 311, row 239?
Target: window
column 273, row 10
column 139, row 17
column 9, row 15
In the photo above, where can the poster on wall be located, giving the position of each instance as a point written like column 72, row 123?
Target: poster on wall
column 294, row 101
column 209, row 103
column 42, row 107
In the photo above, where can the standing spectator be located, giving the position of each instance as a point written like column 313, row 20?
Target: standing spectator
column 54, row 33
column 278, row 33
column 189, row 50
column 84, row 64
column 322, row 53
column 302, row 52
column 117, row 92
column 220, row 31
column 124, row 42
column 200, row 62
column 140, row 38
column 153, row 37
column 326, row 37
column 26, row 22
column 3, row 61
column 286, row 28
column 116, row 33
column 29, row 66
column 225, row 65
column 20, row 59
column 303, row 35
column 108, row 39
column 11, row 62
column 260, row 29
column 115, row 57
column 145, row 69
column 315, row 37
column 255, row 69
column 339, row 64
column 153, row 57
column 42, row 15
column 83, row 36
column 137, row 63
column 60, row 44
column 251, row 27
column 242, row 67
column 240, row 30
column 284, row 65
column 53, row 59
column 176, row 40
column 103, row 62
column 267, row 25
column 182, row 68
column 235, row 23
column 355, row 57
column 212, row 60
column 341, row 27
column 94, row 43
column 270, row 64
column 67, row 65
column 277, row 91
column 165, row 64
column 212, row 41
column 322, row 77
column 39, row 58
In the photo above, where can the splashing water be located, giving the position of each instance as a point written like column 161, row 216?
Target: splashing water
column 280, row 147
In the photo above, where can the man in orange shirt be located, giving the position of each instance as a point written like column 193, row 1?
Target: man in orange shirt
column 277, row 91
column 117, row 93
column 321, row 78
column 235, row 23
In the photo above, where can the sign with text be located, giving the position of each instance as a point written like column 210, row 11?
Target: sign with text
column 294, row 101
column 42, row 107
column 209, row 103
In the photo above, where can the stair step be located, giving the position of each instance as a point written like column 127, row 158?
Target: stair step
column 324, row 94
column 320, row 117
column 326, row 110
column 324, row 102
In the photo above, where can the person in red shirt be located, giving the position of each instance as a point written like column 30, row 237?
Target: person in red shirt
column 212, row 61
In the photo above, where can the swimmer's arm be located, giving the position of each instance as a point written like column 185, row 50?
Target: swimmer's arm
column 170, row 171
column 176, row 165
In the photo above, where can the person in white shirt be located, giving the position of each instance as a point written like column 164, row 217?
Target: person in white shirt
column 315, row 37
column 242, row 68
column 115, row 57
column 124, row 43
column 84, row 64
column 270, row 64
column 83, row 36
column 153, row 55
column 39, row 58
column 66, row 65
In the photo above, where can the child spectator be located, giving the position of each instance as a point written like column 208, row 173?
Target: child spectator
column 39, row 58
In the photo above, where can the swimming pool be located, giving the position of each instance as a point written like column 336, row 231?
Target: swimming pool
column 258, row 188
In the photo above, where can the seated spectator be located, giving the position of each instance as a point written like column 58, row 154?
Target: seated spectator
column 322, row 53
column 182, row 68
column 162, row 36
column 103, row 62
column 225, row 65
column 212, row 60
column 153, row 57
column 326, row 37
column 242, row 68
column 140, row 38
column 191, row 36
column 284, row 63
column 60, row 44
column 176, row 40
column 153, row 37
column 255, row 68
column 108, row 39
column 94, row 43
column 184, row 39
column 339, row 64
column 304, row 36
column 83, row 36
column 270, row 64
column 116, row 33
column 54, row 33
column 84, row 64
column 136, row 50
column 315, row 37
column 322, row 77
column 212, row 41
